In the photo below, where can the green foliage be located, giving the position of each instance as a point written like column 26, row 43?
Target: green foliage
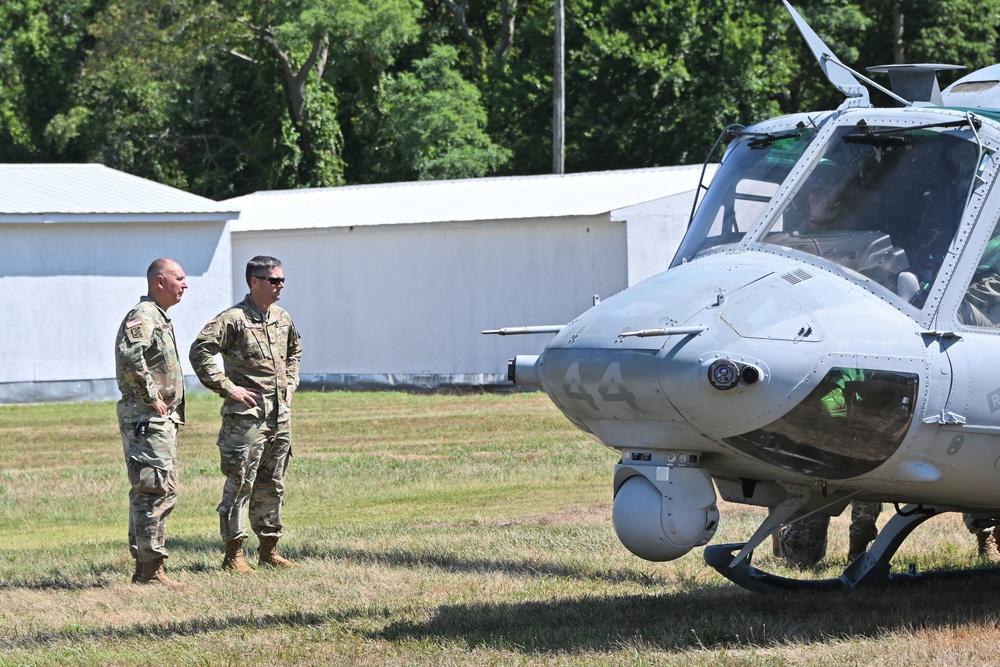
column 226, row 97
column 431, row 125
column 41, row 46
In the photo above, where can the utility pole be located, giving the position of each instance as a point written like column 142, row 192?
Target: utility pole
column 559, row 95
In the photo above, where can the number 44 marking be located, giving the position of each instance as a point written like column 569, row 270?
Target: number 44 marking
column 611, row 388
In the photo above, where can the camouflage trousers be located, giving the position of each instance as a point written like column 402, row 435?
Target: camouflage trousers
column 864, row 515
column 254, row 454
column 804, row 542
column 153, row 491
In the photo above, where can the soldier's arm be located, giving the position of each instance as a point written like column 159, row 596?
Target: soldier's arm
column 294, row 357
column 214, row 338
column 130, row 351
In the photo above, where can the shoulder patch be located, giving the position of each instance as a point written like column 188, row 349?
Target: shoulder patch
column 136, row 332
column 208, row 329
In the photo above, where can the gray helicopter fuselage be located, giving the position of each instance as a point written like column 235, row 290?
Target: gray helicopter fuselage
column 829, row 330
column 784, row 356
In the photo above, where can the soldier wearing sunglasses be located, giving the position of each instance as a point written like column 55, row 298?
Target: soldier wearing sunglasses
column 260, row 351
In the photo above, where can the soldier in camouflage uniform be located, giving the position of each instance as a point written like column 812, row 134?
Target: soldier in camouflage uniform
column 151, row 382
column 260, row 351
column 804, row 542
column 863, row 530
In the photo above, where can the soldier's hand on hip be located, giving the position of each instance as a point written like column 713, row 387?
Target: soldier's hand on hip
column 245, row 396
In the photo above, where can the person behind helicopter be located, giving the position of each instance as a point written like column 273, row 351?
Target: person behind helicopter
column 804, row 542
column 981, row 305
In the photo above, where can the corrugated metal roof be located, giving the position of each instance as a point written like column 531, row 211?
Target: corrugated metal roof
column 502, row 198
column 62, row 192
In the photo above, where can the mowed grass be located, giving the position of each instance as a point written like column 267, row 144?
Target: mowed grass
column 432, row 530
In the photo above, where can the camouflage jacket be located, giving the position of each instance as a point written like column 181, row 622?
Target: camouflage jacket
column 260, row 351
column 147, row 365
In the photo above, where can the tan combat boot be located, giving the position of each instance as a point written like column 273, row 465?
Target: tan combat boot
column 984, row 540
column 269, row 554
column 153, row 573
column 234, row 558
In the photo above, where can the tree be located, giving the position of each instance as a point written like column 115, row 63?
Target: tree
column 225, row 97
column 652, row 83
column 960, row 32
column 42, row 43
column 231, row 96
column 431, row 125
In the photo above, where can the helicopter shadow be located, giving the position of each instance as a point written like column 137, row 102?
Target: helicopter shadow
column 713, row 617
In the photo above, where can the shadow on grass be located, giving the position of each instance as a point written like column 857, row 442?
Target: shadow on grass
column 189, row 628
column 710, row 617
column 209, row 551
column 699, row 616
column 452, row 563
column 111, row 569
column 103, row 577
column 213, row 548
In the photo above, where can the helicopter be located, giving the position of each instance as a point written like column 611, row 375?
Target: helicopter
column 824, row 333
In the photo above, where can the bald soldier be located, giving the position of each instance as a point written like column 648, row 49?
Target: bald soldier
column 151, row 383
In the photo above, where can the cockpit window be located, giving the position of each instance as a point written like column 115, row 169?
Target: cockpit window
column 850, row 424
column 751, row 171
column 882, row 202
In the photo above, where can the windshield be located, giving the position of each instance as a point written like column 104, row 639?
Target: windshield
column 882, row 202
column 751, row 171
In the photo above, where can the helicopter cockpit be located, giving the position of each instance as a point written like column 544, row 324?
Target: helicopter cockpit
column 883, row 202
column 752, row 169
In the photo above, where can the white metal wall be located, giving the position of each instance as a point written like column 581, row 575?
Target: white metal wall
column 655, row 231
column 64, row 289
column 411, row 300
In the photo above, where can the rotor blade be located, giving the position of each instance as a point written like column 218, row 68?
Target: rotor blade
column 836, row 72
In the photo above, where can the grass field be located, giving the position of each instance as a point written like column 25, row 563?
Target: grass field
column 432, row 530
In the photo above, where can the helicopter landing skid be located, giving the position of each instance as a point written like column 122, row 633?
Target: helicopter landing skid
column 869, row 569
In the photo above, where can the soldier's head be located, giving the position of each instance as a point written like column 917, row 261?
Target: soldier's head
column 819, row 195
column 265, row 279
column 166, row 282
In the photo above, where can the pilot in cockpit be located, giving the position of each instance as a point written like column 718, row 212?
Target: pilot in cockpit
column 814, row 207
column 981, row 306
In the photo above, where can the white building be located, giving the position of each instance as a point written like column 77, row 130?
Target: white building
column 75, row 242
column 391, row 285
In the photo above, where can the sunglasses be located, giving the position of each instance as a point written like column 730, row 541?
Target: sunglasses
column 271, row 279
